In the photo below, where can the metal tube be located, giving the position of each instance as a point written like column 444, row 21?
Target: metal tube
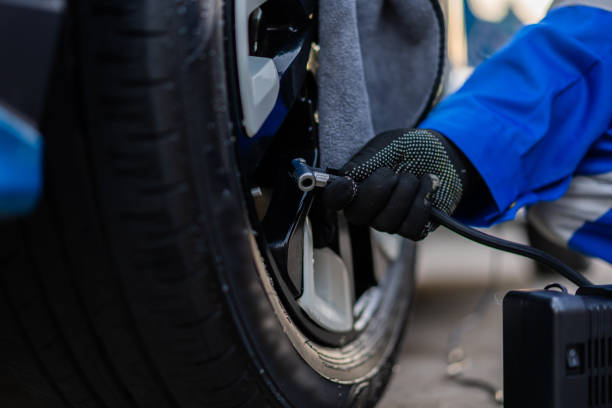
column 303, row 174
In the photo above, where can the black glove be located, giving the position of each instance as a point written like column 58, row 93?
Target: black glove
column 394, row 180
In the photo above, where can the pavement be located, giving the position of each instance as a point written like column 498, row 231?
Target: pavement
column 458, row 311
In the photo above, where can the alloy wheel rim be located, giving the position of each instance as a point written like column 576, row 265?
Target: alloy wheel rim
column 316, row 283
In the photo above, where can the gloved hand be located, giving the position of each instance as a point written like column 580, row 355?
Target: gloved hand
column 394, row 180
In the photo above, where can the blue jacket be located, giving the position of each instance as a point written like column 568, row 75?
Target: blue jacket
column 535, row 121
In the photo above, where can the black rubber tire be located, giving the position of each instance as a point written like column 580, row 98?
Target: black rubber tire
column 138, row 282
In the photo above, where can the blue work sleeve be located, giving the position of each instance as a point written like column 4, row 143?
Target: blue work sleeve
column 528, row 115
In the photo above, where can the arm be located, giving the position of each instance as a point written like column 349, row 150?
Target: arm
column 528, row 115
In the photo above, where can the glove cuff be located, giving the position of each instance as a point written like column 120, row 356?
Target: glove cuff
column 462, row 165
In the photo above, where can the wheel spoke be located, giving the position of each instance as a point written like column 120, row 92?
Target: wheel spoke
column 328, row 294
column 257, row 76
column 273, row 41
column 386, row 249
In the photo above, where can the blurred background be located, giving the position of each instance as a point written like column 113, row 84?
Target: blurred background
column 477, row 28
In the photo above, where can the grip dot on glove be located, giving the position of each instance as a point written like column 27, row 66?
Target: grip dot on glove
column 419, row 152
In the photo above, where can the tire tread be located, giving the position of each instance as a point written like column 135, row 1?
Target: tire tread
column 136, row 146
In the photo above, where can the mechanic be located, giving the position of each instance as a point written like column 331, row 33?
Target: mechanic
column 531, row 127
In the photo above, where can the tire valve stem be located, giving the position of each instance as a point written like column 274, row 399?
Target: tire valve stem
column 308, row 177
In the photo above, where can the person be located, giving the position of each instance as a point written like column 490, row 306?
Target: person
column 530, row 128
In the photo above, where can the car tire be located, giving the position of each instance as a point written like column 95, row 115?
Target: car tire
column 139, row 280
